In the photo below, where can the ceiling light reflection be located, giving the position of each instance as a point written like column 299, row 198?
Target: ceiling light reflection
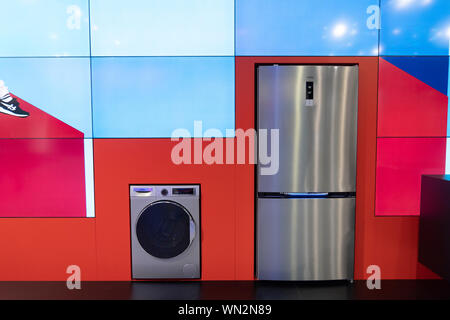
column 339, row 30
column 402, row 4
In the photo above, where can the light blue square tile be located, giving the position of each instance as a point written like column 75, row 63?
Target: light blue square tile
column 149, row 97
column 60, row 87
column 162, row 28
column 415, row 27
column 44, row 28
column 307, row 28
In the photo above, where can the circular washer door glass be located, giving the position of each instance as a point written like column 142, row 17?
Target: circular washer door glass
column 163, row 229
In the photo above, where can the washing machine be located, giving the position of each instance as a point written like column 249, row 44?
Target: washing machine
column 165, row 231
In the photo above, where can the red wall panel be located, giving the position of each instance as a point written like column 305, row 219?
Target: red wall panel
column 245, row 178
column 42, row 178
column 400, row 164
column 407, row 107
column 34, row 249
column 120, row 162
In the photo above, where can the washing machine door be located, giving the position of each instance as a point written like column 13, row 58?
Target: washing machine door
column 165, row 229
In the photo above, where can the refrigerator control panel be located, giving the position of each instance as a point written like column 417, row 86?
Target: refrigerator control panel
column 309, row 94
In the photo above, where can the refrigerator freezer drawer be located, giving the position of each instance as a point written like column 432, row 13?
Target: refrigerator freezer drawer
column 305, row 239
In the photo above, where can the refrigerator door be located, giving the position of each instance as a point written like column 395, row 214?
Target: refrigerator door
column 305, row 239
column 315, row 109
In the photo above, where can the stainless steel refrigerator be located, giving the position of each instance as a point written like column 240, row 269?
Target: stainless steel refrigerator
column 305, row 217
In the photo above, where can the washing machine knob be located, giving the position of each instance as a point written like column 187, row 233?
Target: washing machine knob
column 164, row 192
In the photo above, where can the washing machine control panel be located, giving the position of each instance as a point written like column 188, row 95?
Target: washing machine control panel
column 164, row 191
column 183, row 191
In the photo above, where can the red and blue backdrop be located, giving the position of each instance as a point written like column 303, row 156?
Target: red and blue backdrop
column 106, row 82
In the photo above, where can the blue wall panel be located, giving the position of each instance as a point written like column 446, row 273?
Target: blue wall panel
column 162, row 28
column 415, row 27
column 308, row 28
column 44, row 28
column 431, row 70
column 148, row 97
column 58, row 86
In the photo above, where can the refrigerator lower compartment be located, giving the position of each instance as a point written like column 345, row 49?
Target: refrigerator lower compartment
column 305, row 239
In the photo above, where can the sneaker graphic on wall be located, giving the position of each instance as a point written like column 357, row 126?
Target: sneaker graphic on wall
column 9, row 105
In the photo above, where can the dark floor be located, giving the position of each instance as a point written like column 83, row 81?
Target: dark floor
column 258, row 290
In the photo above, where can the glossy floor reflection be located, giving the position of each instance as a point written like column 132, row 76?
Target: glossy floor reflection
column 196, row 290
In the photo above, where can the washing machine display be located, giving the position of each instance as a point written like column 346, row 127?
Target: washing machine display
column 165, row 231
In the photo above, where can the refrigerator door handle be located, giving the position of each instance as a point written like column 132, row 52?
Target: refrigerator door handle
column 306, row 195
column 293, row 194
